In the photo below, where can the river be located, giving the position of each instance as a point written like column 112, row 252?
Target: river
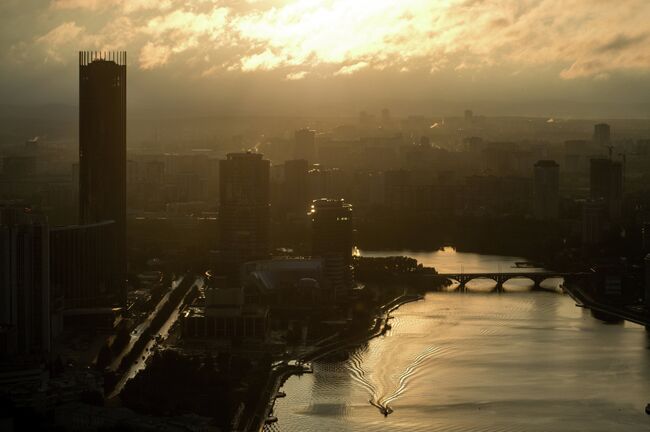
column 480, row 361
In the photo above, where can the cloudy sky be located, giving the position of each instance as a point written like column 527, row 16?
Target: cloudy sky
column 266, row 56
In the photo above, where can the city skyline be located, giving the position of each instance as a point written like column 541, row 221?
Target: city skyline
column 283, row 225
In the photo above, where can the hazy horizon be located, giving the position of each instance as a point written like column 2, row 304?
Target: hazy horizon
column 530, row 58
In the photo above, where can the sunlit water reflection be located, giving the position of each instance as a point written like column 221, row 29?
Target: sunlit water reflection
column 519, row 361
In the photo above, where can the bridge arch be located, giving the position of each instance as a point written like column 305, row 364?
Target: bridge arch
column 523, row 277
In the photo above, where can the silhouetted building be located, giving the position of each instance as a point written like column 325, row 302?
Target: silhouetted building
column 81, row 266
column 546, row 190
column 296, row 187
column 102, row 149
column 606, row 182
column 469, row 115
column 24, row 284
column 332, row 240
column 602, row 134
column 244, row 210
column 305, row 145
column 594, row 220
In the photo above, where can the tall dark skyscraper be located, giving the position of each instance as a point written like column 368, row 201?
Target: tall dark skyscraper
column 332, row 240
column 606, row 183
column 244, row 210
column 102, row 150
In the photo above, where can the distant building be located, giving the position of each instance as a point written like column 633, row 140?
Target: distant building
column 24, row 284
column 332, row 240
column 602, row 134
column 102, row 149
column 244, row 210
column 546, row 190
column 469, row 115
column 305, row 145
column 606, row 182
column 296, row 187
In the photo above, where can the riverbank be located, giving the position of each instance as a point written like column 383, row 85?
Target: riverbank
column 608, row 312
column 480, row 362
column 285, row 370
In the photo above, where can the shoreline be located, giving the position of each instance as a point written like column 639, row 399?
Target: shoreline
column 277, row 378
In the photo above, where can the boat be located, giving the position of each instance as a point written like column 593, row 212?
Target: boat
column 280, row 394
column 271, row 419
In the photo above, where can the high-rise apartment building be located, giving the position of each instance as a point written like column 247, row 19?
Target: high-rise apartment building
column 80, row 265
column 244, row 210
column 24, row 284
column 332, row 240
column 102, row 150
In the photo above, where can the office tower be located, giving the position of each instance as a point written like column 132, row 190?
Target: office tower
column 546, row 190
column 102, row 150
column 469, row 115
column 305, row 145
column 295, row 189
column 332, row 240
column 602, row 134
column 24, row 284
column 606, row 182
column 244, row 210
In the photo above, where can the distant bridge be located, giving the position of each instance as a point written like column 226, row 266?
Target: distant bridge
column 501, row 277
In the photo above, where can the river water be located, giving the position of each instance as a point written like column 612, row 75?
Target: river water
column 480, row 361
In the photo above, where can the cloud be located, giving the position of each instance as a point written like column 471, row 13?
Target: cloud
column 579, row 39
column 622, row 42
column 57, row 37
column 152, row 56
column 295, row 76
column 125, row 6
column 350, row 69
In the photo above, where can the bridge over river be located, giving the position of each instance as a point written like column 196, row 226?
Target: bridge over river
column 537, row 277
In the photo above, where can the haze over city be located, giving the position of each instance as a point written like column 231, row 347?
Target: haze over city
column 337, row 215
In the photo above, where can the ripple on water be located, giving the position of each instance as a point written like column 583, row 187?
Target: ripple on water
column 441, row 368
